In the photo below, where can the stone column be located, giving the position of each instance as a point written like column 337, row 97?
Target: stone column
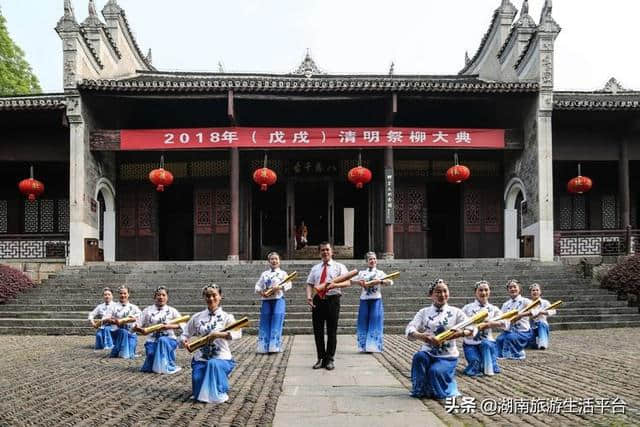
column 234, row 183
column 388, row 228
column 83, row 221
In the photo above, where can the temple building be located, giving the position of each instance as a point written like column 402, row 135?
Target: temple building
column 94, row 145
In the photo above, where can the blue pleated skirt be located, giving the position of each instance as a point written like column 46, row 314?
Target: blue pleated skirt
column 482, row 359
column 104, row 340
column 370, row 326
column 540, row 336
column 271, row 322
column 511, row 344
column 161, row 356
column 124, row 344
column 209, row 380
column 433, row 377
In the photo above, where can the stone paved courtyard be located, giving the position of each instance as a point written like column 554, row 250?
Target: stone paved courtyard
column 62, row 381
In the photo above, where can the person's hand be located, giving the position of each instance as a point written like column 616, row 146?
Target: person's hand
column 431, row 339
column 362, row 283
column 310, row 302
column 320, row 288
column 185, row 344
column 482, row 326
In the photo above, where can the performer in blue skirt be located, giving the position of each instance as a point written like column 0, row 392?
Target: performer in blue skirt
column 160, row 346
column 433, row 368
column 273, row 306
column 540, row 327
column 480, row 350
column 121, row 321
column 370, row 327
column 102, row 312
column 511, row 343
column 212, row 363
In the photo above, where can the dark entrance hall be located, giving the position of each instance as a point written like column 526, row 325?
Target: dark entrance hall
column 176, row 223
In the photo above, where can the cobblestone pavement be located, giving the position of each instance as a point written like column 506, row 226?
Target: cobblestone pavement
column 580, row 365
column 62, row 381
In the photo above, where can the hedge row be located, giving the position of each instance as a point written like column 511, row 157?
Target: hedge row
column 624, row 276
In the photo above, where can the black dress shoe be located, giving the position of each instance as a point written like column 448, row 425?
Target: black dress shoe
column 319, row 364
column 330, row 366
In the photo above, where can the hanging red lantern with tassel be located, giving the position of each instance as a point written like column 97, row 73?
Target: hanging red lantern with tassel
column 457, row 173
column 264, row 176
column 160, row 177
column 359, row 176
column 30, row 187
column 580, row 184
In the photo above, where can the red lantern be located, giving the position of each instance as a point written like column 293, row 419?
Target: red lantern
column 30, row 187
column 580, row 184
column 264, row 177
column 161, row 178
column 457, row 173
column 359, row 176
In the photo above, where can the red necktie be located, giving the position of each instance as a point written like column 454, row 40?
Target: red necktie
column 323, row 277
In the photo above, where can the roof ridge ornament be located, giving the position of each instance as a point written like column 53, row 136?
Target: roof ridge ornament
column 149, row 57
column 507, row 7
column 392, row 68
column 525, row 19
column 467, row 60
column 220, row 67
column 547, row 23
column 68, row 21
column 308, row 67
column 613, row 86
column 111, row 8
column 92, row 20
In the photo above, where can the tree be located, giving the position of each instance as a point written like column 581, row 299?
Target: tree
column 16, row 77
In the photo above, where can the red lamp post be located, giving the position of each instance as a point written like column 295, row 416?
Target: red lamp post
column 30, row 187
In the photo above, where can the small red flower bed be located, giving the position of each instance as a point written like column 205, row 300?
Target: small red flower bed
column 12, row 282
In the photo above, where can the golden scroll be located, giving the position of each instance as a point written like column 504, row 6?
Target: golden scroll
column 199, row 342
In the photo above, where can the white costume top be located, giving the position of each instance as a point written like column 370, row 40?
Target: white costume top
column 202, row 324
column 103, row 311
column 518, row 303
column 542, row 307
column 334, row 269
column 434, row 320
column 473, row 308
column 120, row 311
column 153, row 315
column 368, row 275
column 269, row 279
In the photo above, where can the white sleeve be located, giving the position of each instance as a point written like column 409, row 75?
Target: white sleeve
column 287, row 285
column 381, row 274
column 414, row 326
column 343, row 269
column 93, row 313
column 236, row 334
column 259, row 283
column 461, row 317
column 189, row 330
column 311, row 280
column 143, row 320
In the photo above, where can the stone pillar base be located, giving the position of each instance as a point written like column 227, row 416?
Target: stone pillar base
column 387, row 255
column 235, row 258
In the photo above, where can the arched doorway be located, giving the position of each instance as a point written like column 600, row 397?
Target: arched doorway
column 514, row 198
column 105, row 195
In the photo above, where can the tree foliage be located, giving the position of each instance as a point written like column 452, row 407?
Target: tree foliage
column 16, row 77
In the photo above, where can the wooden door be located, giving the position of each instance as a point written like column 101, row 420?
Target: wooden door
column 137, row 223
column 410, row 226
column 212, row 215
column 482, row 220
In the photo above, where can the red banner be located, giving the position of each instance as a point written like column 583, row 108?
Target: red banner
column 277, row 138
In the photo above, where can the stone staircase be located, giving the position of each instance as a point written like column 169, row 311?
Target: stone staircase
column 60, row 305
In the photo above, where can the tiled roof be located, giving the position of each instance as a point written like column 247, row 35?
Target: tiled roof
column 33, row 102
column 217, row 82
column 596, row 101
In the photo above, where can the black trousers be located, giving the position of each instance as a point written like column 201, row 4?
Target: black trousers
column 326, row 311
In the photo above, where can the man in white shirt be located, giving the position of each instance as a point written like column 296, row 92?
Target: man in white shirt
column 325, row 308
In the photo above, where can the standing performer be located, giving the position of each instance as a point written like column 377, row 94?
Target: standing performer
column 511, row 343
column 124, row 340
column 103, row 310
column 327, row 309
column 480, row 350
column 371, row 311
column 160, row 347
column 540, row 338
column 212, row 363
column 433, row 369
column 273, row 306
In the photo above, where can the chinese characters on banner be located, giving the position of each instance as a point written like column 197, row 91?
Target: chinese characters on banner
column 389, row 209
column 278, row 138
